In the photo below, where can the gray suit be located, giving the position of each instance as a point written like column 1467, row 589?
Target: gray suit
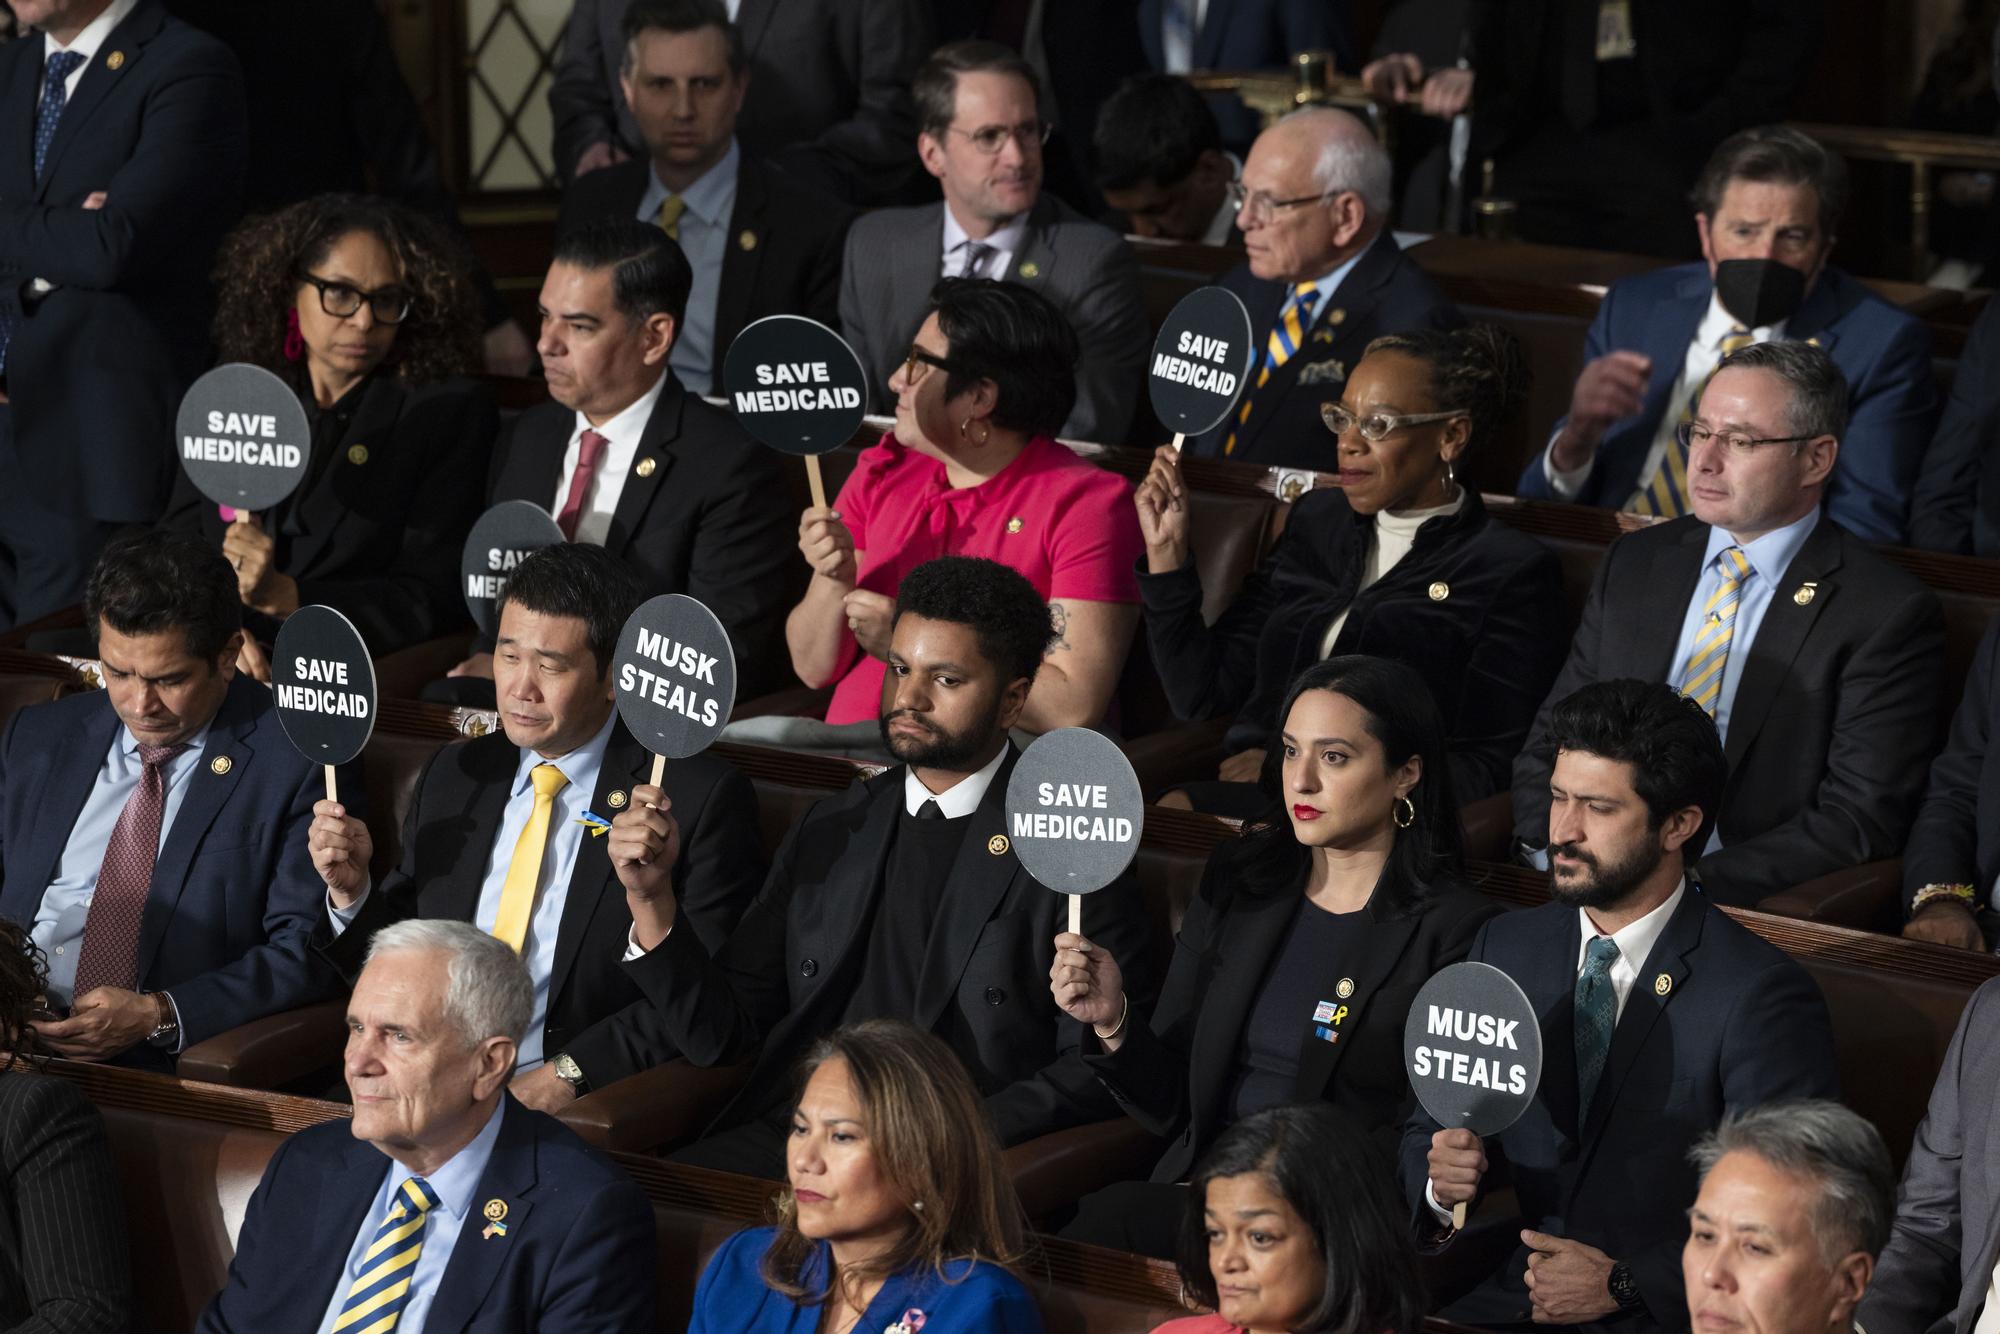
column 895, row 256
column 1935, row 1271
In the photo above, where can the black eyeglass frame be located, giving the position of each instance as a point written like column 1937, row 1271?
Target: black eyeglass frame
column 374, row 299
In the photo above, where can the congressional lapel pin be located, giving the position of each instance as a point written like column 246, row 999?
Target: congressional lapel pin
column 1014, row 524
column 997, row 844
column 1344, row 988
column 646, row 467
column 747, row 240
column 1440, row 591
column 1336, row 317
column 596, row 824
column 1031, row 270
column 1662, row 985
column 1807, row 592
column 220, row 765
column 116, row 60
column 357, row 454
column 495, row 1210
column 616, row 801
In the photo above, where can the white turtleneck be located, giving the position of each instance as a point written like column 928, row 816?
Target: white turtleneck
column 1395, row 532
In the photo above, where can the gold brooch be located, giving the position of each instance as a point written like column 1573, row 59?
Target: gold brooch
column 220, row 764
column 1806, row 594
column 495, row 1210
column 1031, row 270
column 616, row 800
column 1662, row 985
column 997, row 844
column 1014, row 525
column 357, row 454
column 646, row 466
column 1440, row 591
column 116, row 60
column 748, row 240
column 1344, row 988
column 1336, row 316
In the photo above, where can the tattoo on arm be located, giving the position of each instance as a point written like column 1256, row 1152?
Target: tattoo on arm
column 1059, row 621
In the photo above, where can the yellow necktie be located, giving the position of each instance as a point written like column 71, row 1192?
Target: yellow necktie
column 1286, row 336
column 1667, row 494
column 1701, row 680
column 671, row 209
column 517, row 894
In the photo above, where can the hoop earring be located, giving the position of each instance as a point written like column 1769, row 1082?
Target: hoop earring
column 1450, row 477
column 965, row 432
column 1403, row 811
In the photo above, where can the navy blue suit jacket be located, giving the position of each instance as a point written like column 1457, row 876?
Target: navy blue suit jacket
column 234, row 894
column 1884, row 353
column 1385, row 292
column 105, row 357
column 577, row 1256
column 1253, row 34
column 1718, row 1019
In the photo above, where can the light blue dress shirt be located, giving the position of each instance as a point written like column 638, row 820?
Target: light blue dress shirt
column 454, row 1184
column 58, row 925
column 704, row 239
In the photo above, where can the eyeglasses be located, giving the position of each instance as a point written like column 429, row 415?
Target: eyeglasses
column 1256, row 206
column 991, row 139
column 390, row 304
column 1693, row 435
column 919, row 357
column 1378, row 426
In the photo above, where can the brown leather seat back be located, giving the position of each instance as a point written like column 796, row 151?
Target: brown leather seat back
column 1966, row 616
column 1890, row 1035
column 392, row 764
column 32, row 678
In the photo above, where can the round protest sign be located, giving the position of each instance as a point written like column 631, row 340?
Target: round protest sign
column 795, row 384
column 324, row 684
column 1074, row 810
column 1473, row 1048
column 675, row 675
column 243, row 437
column 1201, row 360
column 501, row 539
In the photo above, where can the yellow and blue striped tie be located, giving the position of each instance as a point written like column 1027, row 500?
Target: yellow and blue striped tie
column 1286, row 337
column 376, row 1299
column 1667, row 494
column 1701, row 681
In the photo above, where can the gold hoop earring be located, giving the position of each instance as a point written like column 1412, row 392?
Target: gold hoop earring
column 965, row 431
column 1403, row 811
column 1450, row 477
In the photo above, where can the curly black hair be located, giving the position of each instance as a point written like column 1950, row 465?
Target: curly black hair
column 996, row 600
column 262, row 264
column 24, row 977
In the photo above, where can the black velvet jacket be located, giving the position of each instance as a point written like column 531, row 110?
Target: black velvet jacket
column 1475, row 608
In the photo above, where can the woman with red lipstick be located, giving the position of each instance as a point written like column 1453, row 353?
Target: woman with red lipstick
column 1299, row 957
column 365, row 310
column 900, row 1217
column 1396, row 560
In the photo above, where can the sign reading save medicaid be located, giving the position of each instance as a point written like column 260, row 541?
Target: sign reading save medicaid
column 1201, row 360
column 323, row 682
column 795, row 384
column 242, row 437
column 1473, row 1048
column 675, row 674
column 1074, row 810
column 503, row 537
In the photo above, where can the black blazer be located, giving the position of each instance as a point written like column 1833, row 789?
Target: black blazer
column 595, row 1013
column 1385, row 292
column 62, row 1227
column 705, row 512
column 1955, row 839
column 377, row 529
column 789, row 266
column 96, row 367
column 1174, row 1076
column 1833, row 718
column 1475, row 608
column 1717, row 1020
column 785, row 976
column 1957, row 502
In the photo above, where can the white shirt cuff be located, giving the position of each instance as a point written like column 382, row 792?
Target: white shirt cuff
column 1568, row 484
column 633, row 950
column 1431, row 1199
column 342, row 918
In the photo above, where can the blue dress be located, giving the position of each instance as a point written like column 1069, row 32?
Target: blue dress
column 979, row 1298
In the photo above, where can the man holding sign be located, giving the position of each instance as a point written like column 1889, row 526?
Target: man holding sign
column 900, row 898
column 1658, row 1015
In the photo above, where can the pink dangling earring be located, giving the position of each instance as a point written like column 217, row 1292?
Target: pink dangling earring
column 295, row 342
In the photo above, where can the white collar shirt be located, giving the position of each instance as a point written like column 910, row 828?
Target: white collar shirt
column 1635, row 943
column 1003, row 245
column 86, row 44
column 621, row 435
column 961, row 798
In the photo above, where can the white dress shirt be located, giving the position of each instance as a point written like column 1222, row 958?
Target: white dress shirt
column 961, row 798
column 621, row 436
column 1005, row 244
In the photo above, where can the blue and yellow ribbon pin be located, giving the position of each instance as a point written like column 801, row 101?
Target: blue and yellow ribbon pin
column 595, row 823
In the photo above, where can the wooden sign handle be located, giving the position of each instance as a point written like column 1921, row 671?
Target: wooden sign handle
column 332, row 785
column 1179, row 440
column 659, row 769
column 815, row 481
column 1458, row 1215
column 1076, row 914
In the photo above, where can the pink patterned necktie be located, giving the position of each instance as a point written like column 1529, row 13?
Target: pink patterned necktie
column 111, row 928
column 589, row 452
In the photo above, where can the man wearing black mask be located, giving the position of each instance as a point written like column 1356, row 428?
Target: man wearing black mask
column 1767, row 208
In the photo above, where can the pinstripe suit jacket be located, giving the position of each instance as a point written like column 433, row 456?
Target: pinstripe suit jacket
column 63, row 1259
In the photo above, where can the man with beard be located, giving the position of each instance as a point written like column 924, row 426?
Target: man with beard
column 900, row 898
column 1659, row 1016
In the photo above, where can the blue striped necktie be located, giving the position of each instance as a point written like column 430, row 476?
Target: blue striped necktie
column 375, row 1300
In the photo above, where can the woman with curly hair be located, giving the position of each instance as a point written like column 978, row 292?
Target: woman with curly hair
column 63, row 1260
column 366, row 310
column 899, row 1217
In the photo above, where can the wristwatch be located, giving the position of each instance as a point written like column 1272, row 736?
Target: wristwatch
column 1624, row 1289
column 167, row 1033
column 570, row 1073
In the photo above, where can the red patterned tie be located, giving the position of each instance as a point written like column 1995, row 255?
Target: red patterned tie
column 111, row 929
column 590, row 450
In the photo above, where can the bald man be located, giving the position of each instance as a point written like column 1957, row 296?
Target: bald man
column 1322, row 278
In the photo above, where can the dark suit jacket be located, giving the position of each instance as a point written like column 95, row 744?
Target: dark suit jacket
column 1174, row 1077
column 578, row 1253
column 1488, row 647
column 1385, row 292
column 1955, row 839
column 1933, row 1275
column 895, row 255
column 792, row 269
column 787, row 973
column 595, row 1013
column 62, row 1227
column 1957, row 505
column 234, row 894
column 1717, row 1020
column 829, row 89
column 1833, row 718
column 713, row 520
column 105, row 357
column 1252, row 34
column 1884, row 353
column 379, row 539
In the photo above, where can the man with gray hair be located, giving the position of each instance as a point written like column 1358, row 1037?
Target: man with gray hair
column 547, row 1233
column 1794, row 1207
column 1323, row 277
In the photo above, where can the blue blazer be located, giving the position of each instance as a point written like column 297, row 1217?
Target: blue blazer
column 578, row 1254
column 234, row 894
column 1884, row 353
column 1718, row 1019
column 1253, row 34
column 975, row 1298
column 105, row 357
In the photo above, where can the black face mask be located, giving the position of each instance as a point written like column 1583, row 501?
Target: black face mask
column 1759, row 292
